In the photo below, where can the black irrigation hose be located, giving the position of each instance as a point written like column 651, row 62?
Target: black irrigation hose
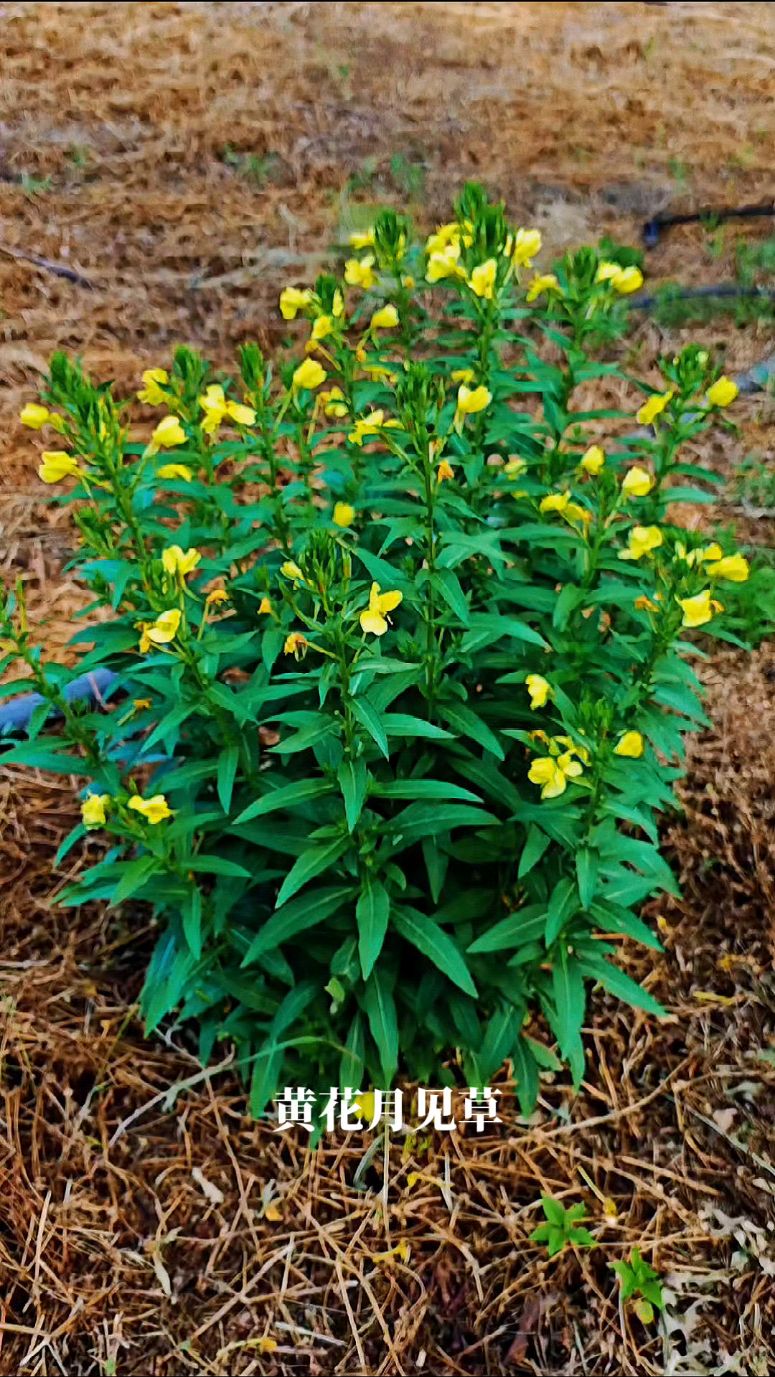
column 653, row 228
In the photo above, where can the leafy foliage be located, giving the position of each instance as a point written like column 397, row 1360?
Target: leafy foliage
column 562, row 1227
column 402, row 672
column 638, row 1278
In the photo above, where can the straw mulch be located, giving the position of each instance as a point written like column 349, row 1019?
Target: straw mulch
column 145, row 1230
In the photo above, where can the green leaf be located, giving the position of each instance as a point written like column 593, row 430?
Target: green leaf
column 617, row 983
column 191, row 914
column 448, row 585
column 403, row 724
column 369, row 718
column 304, row 739
column 287, row 796
column 563, row 903
column 469, row 724
column 525, row 1075
column 380, row 1008
column 425, row 820
column 227, row 769
column 134, row 875
column 587, row 866
column 436, row 944
column 216, row 865
column 536, row 843
column 372, row 914
column 302, row 913
column 423, row 788
column 522, row 926
column 569, row 1003
column 310, row 863
column 37, row 757
column 351, row 1066
column 353, row 778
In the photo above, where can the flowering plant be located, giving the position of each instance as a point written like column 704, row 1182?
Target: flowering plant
column 402, row 672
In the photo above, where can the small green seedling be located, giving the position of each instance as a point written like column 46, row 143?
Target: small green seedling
column 638, row 1278
column 562, row 1227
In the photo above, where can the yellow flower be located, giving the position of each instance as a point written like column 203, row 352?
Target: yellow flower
column 553, row 773
column 463, row 375
column 443, row 237
column 607, row 271
column 554, row 502
column 701, row 556
column 723, row 392
column 321, row 328
column 369, row 425
column 57, row 464
column 515, row 467
column 343, row 514
column 333, row 402
column 627, row 280
column 540, row 690
column 556, row 742
column 142, row 704
column 386, row 318
column 240, row 414
column 575, row 514
column 178, row 561
column 641, row 541
column 469, row 401
column 337, row 304
column 444, row 472
column 35, row 417
column 593, row 460
column 291, row 570
column 168, row 433
column 359, row 272
column 373, row 619
column 733, row 567
column 444, row 263
column 265, row 606
column 482, row 279
column 151, row 393
column 309, row 374
column 699, row 609
column 637, row 482
column 653, row 407
column 216, row 408
column 217, row 596
column 213, row 403
column 408, row 281
column 546, row 282
column 160, row 632
column 181, row 471
column 295, row 644
column 293, row 300
column 94, row 810
column 155, row 809
column 527, row 243
column 631, row 745
column 362, row 239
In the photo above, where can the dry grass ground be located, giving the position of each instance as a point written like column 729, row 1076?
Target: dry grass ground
column 186, row 160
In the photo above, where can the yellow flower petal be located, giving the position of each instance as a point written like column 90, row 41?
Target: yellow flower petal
column 154, row 810
column 309, row 374
column 654, row 407
column 723, row 392
column 343, row 514
column 631, row 745
column 637, row 482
